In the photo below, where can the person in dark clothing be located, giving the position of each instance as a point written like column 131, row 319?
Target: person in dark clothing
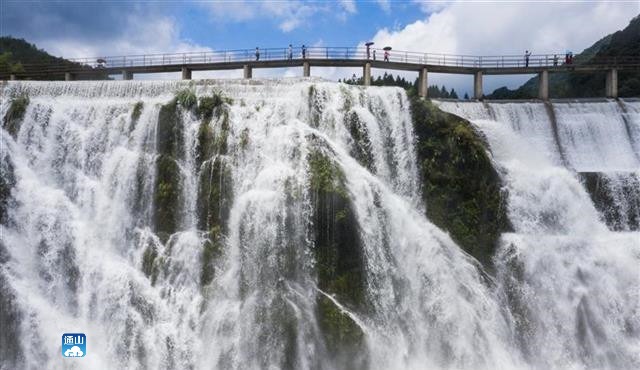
column 527, row 54
column 374, row 55
column 290, row 54
column 555, row 60
column 570, row 58
column 304, row 51
column 386, row 55
column 257, row 53
column 566, row 58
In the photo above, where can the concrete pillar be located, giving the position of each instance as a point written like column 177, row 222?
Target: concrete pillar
column 422, row 83
column 477, row 85
column 246, row 71
column 13, row 77
column 186, row 73
column 366, row 74
column 68, row 76
column 543, row 85
column 612, row 83
column 126, row 75
column 306, row 69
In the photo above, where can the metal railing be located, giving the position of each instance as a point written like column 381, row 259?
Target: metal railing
column 327, row 53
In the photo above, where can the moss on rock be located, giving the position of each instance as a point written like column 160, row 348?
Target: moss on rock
column 14, row 115
column 150, row 263
column 215, row 194
column 7, row 182
column 136, row 112
column 361, row 150
column 343, row 336
column 338, row 254
column 169, row 136
column 619, row 217
column 338, row 249
column 206, row 147
column 208, row 105
column 461, row 189
column 244, row 138
column 166, row 215
column 316, row 105
column 186, row 98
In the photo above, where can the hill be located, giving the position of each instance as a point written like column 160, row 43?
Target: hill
column 574, row 85
column 17, row 54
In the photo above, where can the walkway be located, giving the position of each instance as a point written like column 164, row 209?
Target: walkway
column 245, row 59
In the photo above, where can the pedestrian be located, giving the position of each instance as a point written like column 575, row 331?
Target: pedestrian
column 304, row 52
column 555, row 60
column 527, row 54
column 570, row 58
column 386, row 55
column 290, row 55
column 257, row 53
column 566, row 58
column 374, row 55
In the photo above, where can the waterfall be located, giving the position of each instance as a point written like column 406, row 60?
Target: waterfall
column 280, row 224
column 570, row 269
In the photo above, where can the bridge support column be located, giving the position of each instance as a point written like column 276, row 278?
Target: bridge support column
column 186, row 73
column 543, row 85
column 68, row 76
column 246, row 72
column 306, row 69
column 366, row 74
column 477, row 85
column 126, row 75
column 422, row 83
column 13, row 77
column 612, row 83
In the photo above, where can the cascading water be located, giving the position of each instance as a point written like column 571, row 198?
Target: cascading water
column 279, row 224
column 571, row 281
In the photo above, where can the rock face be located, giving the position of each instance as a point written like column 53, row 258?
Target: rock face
column 462, row 190
column 167, row 193
column 14, row 115
column 339, row 261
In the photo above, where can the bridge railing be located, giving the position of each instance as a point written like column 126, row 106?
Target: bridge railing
column 348, row 53
column 329, row 53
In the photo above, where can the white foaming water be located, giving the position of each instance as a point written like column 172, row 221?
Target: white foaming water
column 81, row 220
column 572, row 284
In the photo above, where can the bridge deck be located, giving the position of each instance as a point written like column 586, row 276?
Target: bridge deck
column 323, row 57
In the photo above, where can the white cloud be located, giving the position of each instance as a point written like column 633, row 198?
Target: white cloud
column 432, row 6
column 490, row 28
column 384, row 5
column 140, row 36
column 349, row 6
column 289, row 14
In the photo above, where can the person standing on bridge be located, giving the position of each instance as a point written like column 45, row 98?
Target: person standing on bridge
column 555, row 60
column 257, row 53
column 304, row 52
column 527, row 54
column 386, row 55
column 290, row 55
column 374, row 54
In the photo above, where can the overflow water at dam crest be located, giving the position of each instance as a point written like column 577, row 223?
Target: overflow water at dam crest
column 280, row 224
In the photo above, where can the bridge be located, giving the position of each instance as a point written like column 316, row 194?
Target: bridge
column 423, row 63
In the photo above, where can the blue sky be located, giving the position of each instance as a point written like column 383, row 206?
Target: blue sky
column 479, row 27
